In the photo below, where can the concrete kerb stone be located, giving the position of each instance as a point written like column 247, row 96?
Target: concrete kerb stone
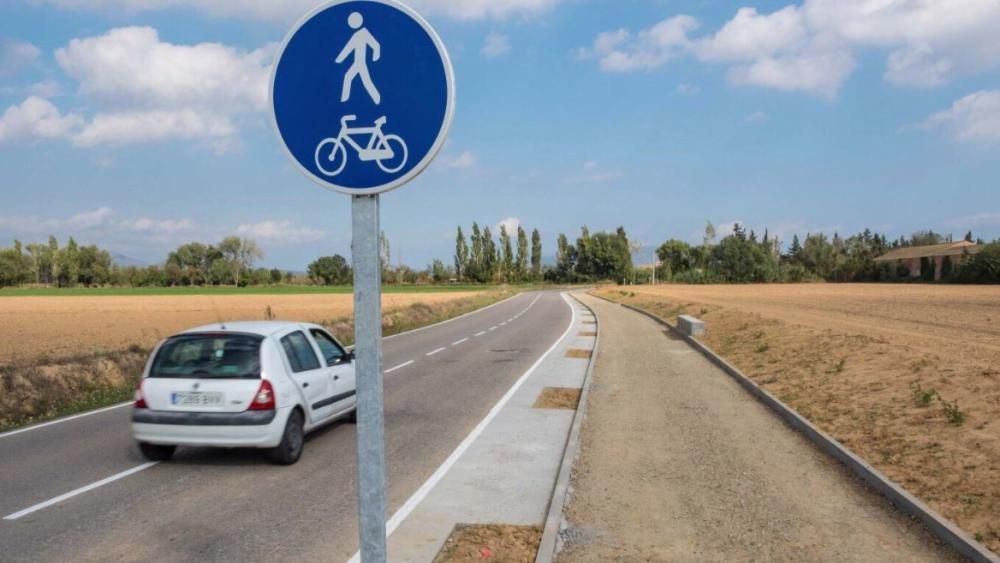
column 938, row 525
column 554, row 522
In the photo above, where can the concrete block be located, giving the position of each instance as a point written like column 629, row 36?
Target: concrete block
column 690, row 325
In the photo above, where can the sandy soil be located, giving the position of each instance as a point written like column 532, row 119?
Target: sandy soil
column 66, row 326
column 907, row 376
column 496, row 543
column 678, row 463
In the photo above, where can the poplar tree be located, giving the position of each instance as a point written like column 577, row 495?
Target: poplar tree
column 536, row 255
column 489, row 256
column 461, row 254
column 522, row 254
column 475, row 266
column 507, row 259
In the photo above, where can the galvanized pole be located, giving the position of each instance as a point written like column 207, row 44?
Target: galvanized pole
column 368, row 347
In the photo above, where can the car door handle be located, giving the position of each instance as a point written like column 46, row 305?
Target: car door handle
column 304, row 385
column 336, row 378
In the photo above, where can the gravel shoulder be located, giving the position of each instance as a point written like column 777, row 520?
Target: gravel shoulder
column 678, row 463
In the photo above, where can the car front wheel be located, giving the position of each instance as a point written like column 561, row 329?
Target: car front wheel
column 153, row 452
column 290, row 449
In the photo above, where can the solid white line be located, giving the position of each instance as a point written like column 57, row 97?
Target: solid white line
column 399, row 367
column 67, row 419
column 480, row 333
column 79, row 491
column 438, row 351
column 462, row 341
column 429, row 485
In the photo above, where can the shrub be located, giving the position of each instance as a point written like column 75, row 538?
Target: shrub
column 983, row 267
column 927, row 269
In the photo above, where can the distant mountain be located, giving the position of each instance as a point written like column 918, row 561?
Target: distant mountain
column 125, row 261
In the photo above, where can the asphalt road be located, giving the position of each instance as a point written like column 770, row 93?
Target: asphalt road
column 228, row 505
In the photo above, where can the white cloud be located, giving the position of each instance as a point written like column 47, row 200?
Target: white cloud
column 687, row 89
column 148, row 90
column 595, row 173
column 972, row 119
column 37, row 118
column 756, row 118
column 750, row 35
column 511, row 224
column 159, row 229
column 131, row 66
column 464, row 160
column 157, row 125
column 15, row 55
column 977, row 220
column 101, row 222
column 46, row 89
column 279, row 232
column 622, row 51
column 812, row 47
column 496, row 45
column 90, row 219
column 289, row 10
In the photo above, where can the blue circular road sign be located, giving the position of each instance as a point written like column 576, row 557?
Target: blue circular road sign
column 362, row 95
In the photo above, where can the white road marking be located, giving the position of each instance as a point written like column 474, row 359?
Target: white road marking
column 67, row 419
column 510, row 320
column 480, row 333
column 399, row 367
column 503, row 324
column 438, row 351
column 462, row 341
column 79, row 491
column 429, row 485
column 492, row 328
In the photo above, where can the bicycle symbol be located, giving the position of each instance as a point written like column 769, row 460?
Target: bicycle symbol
column 331, row 154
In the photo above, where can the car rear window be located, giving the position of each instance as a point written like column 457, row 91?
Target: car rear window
column 209, row 356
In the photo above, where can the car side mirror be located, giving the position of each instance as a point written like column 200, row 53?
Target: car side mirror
column 350, row 356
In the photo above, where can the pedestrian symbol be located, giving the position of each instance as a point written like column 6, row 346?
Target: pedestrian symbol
column 396, row 95
column 358, row 48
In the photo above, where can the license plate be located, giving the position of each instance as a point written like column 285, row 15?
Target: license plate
column 195, row 399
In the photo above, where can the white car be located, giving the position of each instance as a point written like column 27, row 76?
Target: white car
column 248, row 384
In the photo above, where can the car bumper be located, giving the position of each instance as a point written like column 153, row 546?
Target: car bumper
column 224, row 430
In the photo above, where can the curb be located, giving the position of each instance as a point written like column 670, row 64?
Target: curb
column 551, row 543
column 938, row 525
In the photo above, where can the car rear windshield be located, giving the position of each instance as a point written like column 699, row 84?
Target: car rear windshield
column 209, row 356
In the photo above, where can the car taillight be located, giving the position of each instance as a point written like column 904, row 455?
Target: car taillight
column 140, row 399
column 263, row 400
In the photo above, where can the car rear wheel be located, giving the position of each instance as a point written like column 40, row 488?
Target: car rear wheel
column 290, row 449
column 153, row 452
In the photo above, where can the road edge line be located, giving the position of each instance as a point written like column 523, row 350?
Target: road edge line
column 942, row 528
column 79, row 491
column 551, row 544
column 64, row 419
column 421, row 493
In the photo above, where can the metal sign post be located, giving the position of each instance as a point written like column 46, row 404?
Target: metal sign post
column 368, row 347
column 362, row 97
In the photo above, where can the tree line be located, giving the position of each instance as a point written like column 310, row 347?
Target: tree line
column 595, row 257
column 743, row 257
column 484, row 260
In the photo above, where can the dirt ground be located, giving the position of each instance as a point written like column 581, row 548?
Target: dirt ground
column 496, row 543
column 56, row 327
column 907, row 376
column 679, row 463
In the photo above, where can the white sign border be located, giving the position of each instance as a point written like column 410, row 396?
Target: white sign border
column 442, row 134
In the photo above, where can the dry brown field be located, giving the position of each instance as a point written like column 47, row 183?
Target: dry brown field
column 56, row 327
column 907, row 376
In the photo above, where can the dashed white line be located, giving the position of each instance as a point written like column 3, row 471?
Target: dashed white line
column 492, row 328
column 438, row 351
column 399, row 367
column 462, row 341
column 480, row 333
column 79, row 491
column 503, row 324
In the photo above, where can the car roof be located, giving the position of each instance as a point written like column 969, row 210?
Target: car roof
column 262, row 328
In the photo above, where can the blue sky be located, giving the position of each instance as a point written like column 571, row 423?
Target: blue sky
column 142, row 124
